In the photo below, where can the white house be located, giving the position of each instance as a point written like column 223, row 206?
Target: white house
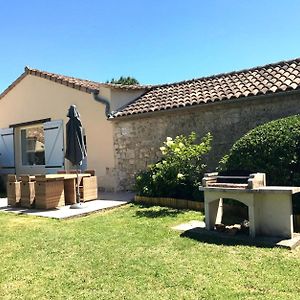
column 33, row 113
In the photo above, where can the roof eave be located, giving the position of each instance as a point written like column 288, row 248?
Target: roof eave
column 61, row 81
column 13, row 84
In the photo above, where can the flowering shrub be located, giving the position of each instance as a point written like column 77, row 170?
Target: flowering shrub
column 178, row 174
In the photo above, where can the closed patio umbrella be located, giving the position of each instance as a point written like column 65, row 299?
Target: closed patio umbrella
column 75, row 151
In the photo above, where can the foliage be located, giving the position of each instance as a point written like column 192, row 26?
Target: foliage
column 178, row 174
column 272, row 148
column 124, row 80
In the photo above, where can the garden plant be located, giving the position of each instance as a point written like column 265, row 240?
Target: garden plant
column 272, row 148
column 179, row 172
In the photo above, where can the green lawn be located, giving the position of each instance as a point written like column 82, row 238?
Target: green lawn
column 132, row 253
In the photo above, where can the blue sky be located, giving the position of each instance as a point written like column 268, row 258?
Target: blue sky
column 153, row 41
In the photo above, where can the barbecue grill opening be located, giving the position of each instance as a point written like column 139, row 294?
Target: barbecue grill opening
column 235, row 218
column 234, row 176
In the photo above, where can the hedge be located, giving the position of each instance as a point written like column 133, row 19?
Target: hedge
column 272, row 148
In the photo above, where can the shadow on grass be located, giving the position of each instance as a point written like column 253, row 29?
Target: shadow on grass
column 209, row 237
column 156, row 212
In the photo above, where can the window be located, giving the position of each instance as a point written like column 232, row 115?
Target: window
column 33, row 146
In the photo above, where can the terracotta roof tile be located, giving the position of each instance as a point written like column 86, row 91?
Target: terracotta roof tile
column 78, row 83
column 272, row 78
column 84, row 85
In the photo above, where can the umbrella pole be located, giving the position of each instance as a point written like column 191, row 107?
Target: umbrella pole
column 78, row 193
column 78, row 204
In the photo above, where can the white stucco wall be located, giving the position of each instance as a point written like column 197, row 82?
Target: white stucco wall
column 35, row 98
column 121, row 98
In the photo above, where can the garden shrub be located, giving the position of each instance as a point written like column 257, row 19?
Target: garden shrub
column 272, row 148
column 179, row 173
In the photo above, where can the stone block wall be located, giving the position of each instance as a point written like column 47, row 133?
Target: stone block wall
column 137, row 139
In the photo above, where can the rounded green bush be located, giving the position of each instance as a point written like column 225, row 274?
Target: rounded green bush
column 272, row 148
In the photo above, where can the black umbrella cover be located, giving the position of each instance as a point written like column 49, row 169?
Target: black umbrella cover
column 75, row 151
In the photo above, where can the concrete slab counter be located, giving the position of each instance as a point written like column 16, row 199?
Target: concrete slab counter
column 269, row 207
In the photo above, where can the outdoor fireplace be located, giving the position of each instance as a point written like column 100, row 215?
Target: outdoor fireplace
column 269, row 207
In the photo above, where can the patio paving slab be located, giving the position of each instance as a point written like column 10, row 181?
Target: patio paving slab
column 105, row 201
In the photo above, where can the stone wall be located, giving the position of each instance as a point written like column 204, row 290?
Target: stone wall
column 137, row 139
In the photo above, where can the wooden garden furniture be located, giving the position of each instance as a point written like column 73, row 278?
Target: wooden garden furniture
column 88, row 187
column 49, row 191
column 27, row 191
column 13, row 188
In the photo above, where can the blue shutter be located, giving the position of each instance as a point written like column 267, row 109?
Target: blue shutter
column 54, row 146
column 7, row 154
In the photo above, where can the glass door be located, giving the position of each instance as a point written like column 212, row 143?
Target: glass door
column 31, row 150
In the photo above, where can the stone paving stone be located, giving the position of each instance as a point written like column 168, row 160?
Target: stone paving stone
column 106, row 201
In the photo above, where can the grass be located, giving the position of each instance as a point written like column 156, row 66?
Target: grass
column 132, row 253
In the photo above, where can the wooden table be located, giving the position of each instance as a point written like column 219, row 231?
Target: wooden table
column 70, row 181
column 54, row 190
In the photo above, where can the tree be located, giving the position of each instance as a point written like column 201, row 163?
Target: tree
column 124, row 80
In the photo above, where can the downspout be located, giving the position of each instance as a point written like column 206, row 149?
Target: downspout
column 104, row 101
